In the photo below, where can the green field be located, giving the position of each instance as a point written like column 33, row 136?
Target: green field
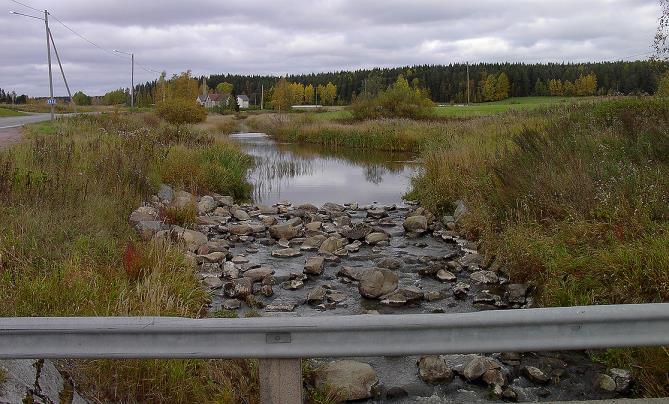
column 498, row 107
column 9, row 112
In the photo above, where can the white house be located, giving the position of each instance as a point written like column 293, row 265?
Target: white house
column 243, row 101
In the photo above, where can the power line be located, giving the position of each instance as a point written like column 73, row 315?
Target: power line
column 83, row 37
column 25, row 5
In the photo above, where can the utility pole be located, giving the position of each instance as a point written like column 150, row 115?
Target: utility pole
column 55, row 50
column 262, row 96
column 467, row 83
column 48, row 52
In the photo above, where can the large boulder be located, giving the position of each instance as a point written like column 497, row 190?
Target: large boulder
column 313, row 243
column 415, row 224
column 165, row 193
column 147, row 229
column 433, row 369
column 377, row 282
column 347, row 379
column 192, row 239
column 358, row 232
column 284, row 231
column 207, row 204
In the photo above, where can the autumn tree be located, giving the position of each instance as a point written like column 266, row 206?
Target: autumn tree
column 183, row 86
column 399, row 101
column 280, row 95
column 80, row 98
column 489, row 87
column 555, row 87
column 295, row 93
column 586, row 85
column 502, row 87
column 224, row 88
column 327, row 93
column 309, row 94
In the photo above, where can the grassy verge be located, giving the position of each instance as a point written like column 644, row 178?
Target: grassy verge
column 65, row 196
column 575, row 201
column 9, row 112
column 498, row 107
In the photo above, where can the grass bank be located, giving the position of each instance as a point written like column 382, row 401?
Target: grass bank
column 10, row 112
column 65, row 196
column 574, row 200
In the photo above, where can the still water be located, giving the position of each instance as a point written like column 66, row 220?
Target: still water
column 302, row 173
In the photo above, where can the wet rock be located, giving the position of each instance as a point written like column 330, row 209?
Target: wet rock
column 314, row 266
column 222, row 211
column 471, row 260
column 389, row 263
column 484, row 277
column 316, row 295
column 332, row 244
column 606, row 383
column 207, row 204
column 396, row 392
column 336, row 296
column 478, row 366
column 445, row 276
column 217, row 246
column 308, row 208
column 213, row 282
column 284, row 231
column 313, row 243
column 231, row 304
column 460, row 290
column 354, row 246
column 377, row 282
column 230, row 270
column 268, row 220
column 511, row 358
column 623, row 379
column 510, row 394
column 433, row 369
column 330, row 207
column 293, row 284
column 240, row 230
column 415, row 224
column 376, row 237
column 351, row 380
column 432, row 296
column 267, row 290
column 535, row 375
column 241, row 215
column 516, row 293
column 286, row 253
column 358, row 232
column 494, row 377
column 258, row 274
column 313, row 226
column 485, row 297
column 165, row 193
column 283, row 243
column 240, row 259
column 267, row 210
column 238, row 288
column 279, row 307
column 225, row 200
column 402, row 296
column 213, row 257
column 377, row 213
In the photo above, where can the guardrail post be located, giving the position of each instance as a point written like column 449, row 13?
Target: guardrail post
column 280, row 381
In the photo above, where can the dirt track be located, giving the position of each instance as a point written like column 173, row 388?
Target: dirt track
column 9, row 136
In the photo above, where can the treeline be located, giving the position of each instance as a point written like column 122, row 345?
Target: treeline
column 7, row 96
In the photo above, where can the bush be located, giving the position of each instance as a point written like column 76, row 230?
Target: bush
column 181, row 111
column 80, row 98
column 399, row 101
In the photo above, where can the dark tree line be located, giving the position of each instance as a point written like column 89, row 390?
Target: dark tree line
column 448, row 83
column 6, row 97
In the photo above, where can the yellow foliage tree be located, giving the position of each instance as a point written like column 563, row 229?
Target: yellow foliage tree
column 555, row 87
column 309, row 94
column 327, row 93
column 502, row 87
column 280, row 95
column 586, row 85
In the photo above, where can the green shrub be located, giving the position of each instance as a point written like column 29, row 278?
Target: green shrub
column 181, row 111
column 398, row 101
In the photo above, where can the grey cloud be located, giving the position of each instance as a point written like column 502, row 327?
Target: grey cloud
column 296, row 36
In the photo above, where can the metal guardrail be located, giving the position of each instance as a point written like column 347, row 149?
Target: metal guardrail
column 564, row 328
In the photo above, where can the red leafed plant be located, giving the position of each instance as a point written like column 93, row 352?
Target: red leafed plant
column 132, row 261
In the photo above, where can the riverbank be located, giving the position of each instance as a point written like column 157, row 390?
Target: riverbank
column 67, row 249
column 577, row 205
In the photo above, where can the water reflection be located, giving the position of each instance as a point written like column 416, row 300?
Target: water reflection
column 308, row 173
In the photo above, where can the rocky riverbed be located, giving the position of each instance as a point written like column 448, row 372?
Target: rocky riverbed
column 334, row 259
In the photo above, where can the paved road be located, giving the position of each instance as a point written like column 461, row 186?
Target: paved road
column 16, row 121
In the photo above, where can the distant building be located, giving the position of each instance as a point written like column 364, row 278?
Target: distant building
column 212, row 100
column 243, row 101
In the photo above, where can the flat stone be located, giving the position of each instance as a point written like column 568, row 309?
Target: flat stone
column 433, row 369
column 267, row 210
column 377, row 213
column 241, row 215
column 238, row 288
column 313, row 243
column 314, row 266
column 191, row 238
column 213, row 282
column 535, row 375
column 258, row 274
column 389, row 263
column 280, row 307
column 415, row 224
column 605, row 382
column 351, row 380
column 445, row 276
column 351, row 273
column 460, row 290
column 231, row 304
column 293, row 284
column 284, row 231
column 402, row 296
column 377, row 282
column 376, row 237
column 286, row 253
column 240, row 259
column 316, row 295
column 484, row 277
column 332, row 244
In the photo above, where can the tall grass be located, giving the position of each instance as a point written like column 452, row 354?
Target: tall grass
column 65, row 197
column 574, row 199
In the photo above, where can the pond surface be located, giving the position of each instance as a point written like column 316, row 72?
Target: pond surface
column 311, row 174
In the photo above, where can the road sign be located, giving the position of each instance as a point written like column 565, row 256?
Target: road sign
column 51, row 101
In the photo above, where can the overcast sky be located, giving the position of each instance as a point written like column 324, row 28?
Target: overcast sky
column 298, row 36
